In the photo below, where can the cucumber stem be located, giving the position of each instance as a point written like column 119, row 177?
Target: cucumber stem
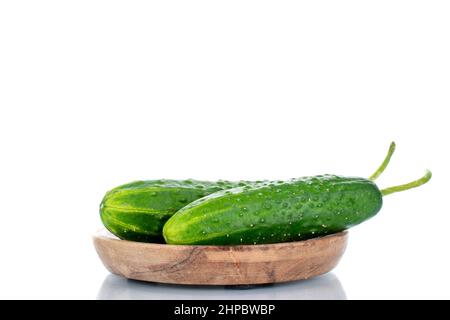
column 386, row 160
column 406, row 186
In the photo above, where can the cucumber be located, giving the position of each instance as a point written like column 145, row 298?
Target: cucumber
column 138, row 210
column 272, row 212
column 297, row 209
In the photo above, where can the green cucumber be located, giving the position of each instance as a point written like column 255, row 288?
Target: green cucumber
column 292, row 210
column 272, row 212
column 138, row 210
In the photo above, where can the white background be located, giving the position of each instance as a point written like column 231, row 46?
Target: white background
column 98, row 93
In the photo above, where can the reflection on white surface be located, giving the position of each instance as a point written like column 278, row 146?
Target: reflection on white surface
column 323, row 287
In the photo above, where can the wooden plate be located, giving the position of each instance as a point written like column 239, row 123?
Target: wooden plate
column 220, row 265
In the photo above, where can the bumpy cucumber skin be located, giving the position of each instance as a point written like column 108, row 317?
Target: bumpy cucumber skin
column 297, row 209
column 137, row 211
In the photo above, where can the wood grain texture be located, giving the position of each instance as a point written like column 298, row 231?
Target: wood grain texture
column 220, row 265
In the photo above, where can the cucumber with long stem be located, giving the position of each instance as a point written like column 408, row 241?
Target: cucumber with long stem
column 292, row 210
